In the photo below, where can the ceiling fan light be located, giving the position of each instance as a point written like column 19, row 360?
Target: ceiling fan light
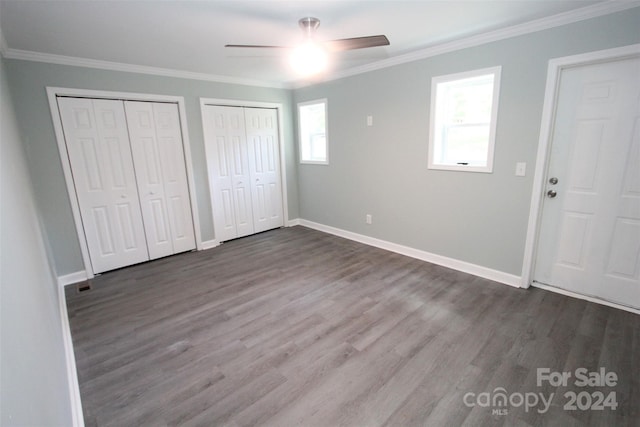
column 309, row 59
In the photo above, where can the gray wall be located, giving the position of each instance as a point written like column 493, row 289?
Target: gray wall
column 29, row 81
column 382, row 170
column 34, row 388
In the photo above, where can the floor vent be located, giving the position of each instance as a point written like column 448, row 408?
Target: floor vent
column 86, row 286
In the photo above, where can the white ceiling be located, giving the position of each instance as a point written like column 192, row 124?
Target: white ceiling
column 190, row 35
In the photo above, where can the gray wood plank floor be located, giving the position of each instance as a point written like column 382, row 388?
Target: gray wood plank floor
column 297, row 327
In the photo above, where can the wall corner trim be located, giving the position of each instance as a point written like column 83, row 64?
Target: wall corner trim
column 294, row 222
column 70, row 359
column 463, row 266
column 71, row 278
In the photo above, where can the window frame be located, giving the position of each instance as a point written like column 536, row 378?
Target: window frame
column 326, row 131
column 437, row 80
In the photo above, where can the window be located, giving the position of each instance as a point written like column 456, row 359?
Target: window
column 464, row 108
column 312, row 122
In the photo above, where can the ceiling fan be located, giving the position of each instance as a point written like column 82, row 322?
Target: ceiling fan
column 311, row 57
column 309, row 26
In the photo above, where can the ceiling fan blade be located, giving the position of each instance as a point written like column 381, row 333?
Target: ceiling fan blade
column 256, row 46
column 357, row 43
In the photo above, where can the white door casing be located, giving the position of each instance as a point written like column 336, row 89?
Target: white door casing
column 98, row 147
column 229, row 177
column 156, row 144
column 264, row 166
column 589, row 239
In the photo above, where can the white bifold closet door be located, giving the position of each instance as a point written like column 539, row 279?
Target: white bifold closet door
column 242, row 151
column 129, row 176
column 158, row 156
column 100, row 155
column 264, row 168
column 229, row 178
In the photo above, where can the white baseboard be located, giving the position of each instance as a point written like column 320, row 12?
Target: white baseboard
column 81, row 276
column 466, row 267
column 71, row 278
column 70, row 359
column 293, row 222
column 209, row 244
column 584, row 297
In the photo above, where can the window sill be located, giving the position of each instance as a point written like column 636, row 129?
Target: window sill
column 462, row 168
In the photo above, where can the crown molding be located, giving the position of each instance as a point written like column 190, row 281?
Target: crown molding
column 564, row 18
column 27, row 55
column 569, row 17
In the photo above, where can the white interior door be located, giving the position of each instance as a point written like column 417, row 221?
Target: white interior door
column 229, row 177
column 174, row 176
column 146, row 157
column 589, row 240
column 98, row 146
column 156, row 144
column 264, row 167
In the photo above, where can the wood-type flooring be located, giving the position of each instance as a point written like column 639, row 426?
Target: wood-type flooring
column 295, row 327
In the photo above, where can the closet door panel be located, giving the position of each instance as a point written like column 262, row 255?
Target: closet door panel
column 220, row 181
column 264, row 166
column 241, row 177
column 229, row 178
column 103, row 172
column 243, row 155
column 174, row 176
column 219, row 163
column 148, row 167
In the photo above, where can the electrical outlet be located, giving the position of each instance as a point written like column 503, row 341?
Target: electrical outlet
column 368, row 219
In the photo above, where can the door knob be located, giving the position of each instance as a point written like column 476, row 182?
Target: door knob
column 553, row 180
column 551, row 194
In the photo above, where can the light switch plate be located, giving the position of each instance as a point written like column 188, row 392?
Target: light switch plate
column 521, row 169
